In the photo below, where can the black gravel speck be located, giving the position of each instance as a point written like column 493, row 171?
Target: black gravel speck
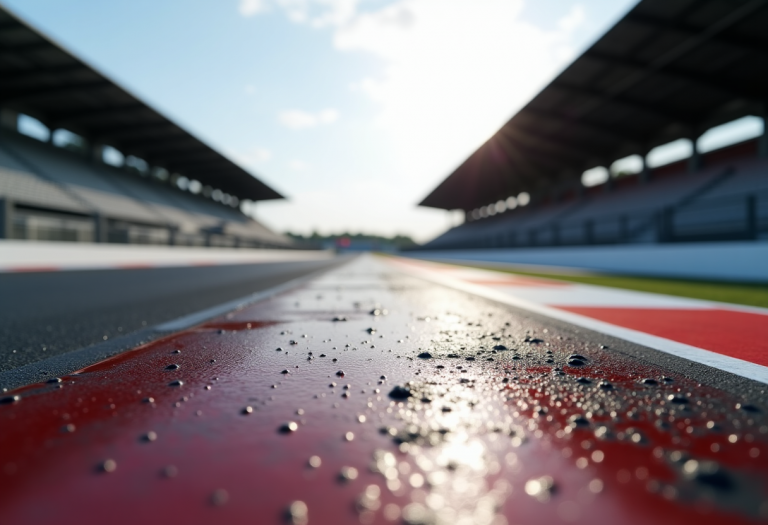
column 400, row 392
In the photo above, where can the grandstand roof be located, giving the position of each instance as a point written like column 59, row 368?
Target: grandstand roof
column 668, row 69
column 41, row 79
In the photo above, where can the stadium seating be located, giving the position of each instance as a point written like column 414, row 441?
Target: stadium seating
column 724, row 201
column 52, row 180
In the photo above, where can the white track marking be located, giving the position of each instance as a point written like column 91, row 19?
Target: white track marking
column 699, row 355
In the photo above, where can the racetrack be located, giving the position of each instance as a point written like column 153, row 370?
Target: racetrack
column 43, row 314
column 375, row 394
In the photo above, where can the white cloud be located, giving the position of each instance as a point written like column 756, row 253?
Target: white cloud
column 252, row 7
column 298, row 165
column 455, row 72
column 298, row 119
column 573, row 19
column 317, row 13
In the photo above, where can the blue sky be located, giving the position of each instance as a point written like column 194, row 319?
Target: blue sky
column 354, row 109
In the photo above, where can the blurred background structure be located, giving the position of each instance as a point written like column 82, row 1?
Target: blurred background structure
column 632, row 143
column 654, row 135
column 96, row 164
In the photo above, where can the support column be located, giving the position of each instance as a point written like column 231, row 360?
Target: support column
column 173, row 232
column 609, row 183
column 6, row 218
column 762, row 140
column 589, row 231
column 99, row 228
column 694, row 162
column 645, row 173
column 9, row 119
column 96, row 153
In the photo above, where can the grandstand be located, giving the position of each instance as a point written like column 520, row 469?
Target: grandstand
column 668, row 70
column 103, row 166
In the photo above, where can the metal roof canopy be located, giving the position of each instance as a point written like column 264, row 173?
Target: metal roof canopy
column 41, row 79
column 669, row 69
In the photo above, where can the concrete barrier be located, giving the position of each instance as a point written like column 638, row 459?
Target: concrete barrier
column 722, row 261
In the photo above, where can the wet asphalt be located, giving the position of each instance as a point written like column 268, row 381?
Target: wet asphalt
column 45, row 314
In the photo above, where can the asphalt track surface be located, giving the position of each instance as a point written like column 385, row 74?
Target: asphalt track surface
column 45, row 314
column 370, row 395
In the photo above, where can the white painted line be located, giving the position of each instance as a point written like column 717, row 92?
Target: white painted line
column 729, row 364
column 188, row 321
column 578, row 294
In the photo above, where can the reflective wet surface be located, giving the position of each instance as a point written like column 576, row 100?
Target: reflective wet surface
column 391, row 400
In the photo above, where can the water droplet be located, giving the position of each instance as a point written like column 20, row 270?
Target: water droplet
column 285, row 372
column 650, row 382
column 605, row 385
column 172, row 367
column 68, row 429
column 315, row 462
column 148, row 400
column 7, row 400
column 289, row 427
column 500, row 348
column 596, row 486
column 425, row 355
column 578, row 421
column 400, row 392
column 219, row 497
column 279, row 349
column 170, row 471
column 347, row 474
column 576, row 362
column 746, row 407
column 247, row 410
column 297, row 513
column 349, row 436
column 708, row 473
column 340, row 373
column 370, row 330
column 149, row 437
column 540, row 488
column 583, row 381
column 681, row 400
column 178, row 382
column 108, row 465
column 54, row 380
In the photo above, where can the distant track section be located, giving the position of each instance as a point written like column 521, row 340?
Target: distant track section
column 26, row 256
column 43, row 314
